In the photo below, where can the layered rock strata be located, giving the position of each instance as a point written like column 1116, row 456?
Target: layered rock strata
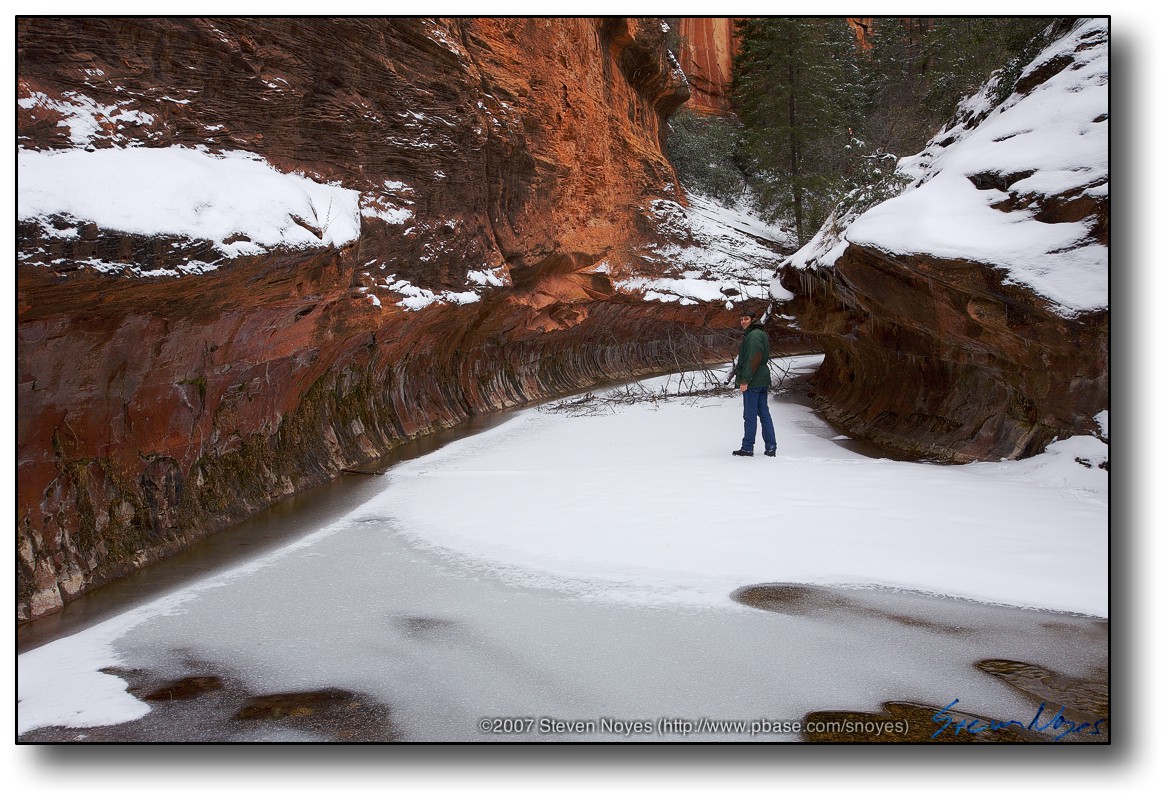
column 967, row 318
column 938, row 359
column 449, row 211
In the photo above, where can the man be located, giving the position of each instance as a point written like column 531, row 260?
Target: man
column 752, row 376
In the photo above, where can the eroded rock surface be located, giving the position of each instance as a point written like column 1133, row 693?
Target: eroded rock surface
column 707, row 47
column 491, row 191
column 967, row 318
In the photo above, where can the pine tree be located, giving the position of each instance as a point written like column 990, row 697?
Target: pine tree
column 704, row 152
column 895, row 71
column 799, row 96
column 821, row 119
column 919, row 68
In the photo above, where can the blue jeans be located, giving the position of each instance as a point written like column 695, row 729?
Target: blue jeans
column 756, row 403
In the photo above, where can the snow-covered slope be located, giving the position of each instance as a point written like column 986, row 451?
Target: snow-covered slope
column 1011, row 185
column 726, row 254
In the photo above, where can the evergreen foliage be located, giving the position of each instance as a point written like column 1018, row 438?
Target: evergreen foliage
column 799, row 96
column 919, row 68
column 704, row 150
column 821, row 121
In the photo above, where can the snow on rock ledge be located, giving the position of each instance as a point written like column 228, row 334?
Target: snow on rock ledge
column 236, row 200
column 994, row 187
column 967, row 318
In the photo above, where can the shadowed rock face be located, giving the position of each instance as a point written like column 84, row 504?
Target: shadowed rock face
column 154, row 410
column 953, row 358
column 940, row 359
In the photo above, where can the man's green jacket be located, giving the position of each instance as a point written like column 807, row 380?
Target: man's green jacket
column 752, row 364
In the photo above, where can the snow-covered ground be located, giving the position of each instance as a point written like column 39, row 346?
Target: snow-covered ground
column 646, row 505
column 554, row 537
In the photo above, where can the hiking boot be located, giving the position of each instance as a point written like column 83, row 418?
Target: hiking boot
column 772, row 453
column 743, row 452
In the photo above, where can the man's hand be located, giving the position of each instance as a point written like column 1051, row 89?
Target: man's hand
column 744, row 386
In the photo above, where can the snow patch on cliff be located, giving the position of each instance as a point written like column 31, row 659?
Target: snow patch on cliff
column 388, row 206
column 826, row 246
column 236, row 200
column 85, row 118
column 498, row 276
column 417, row 298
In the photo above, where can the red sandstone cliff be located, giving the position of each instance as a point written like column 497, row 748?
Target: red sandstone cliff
column 707, row 47
column 863, row 28
column 504, row 177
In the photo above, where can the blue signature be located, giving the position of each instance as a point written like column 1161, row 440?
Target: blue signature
column 1055, row 723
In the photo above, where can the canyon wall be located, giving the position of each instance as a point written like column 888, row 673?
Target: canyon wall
column 253, row 252
column 863, row 28
column 967, row 317
column 707, row 47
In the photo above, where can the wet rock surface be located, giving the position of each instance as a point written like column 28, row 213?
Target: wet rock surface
column 1054, row 722
column 185, row 688
column 1082, row 698
column 807, row 600
column 210, row 708
column 1057, row 705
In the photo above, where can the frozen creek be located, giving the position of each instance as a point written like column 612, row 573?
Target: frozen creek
column 506, row 588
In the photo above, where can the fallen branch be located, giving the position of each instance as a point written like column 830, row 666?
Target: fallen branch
column 691, row 386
